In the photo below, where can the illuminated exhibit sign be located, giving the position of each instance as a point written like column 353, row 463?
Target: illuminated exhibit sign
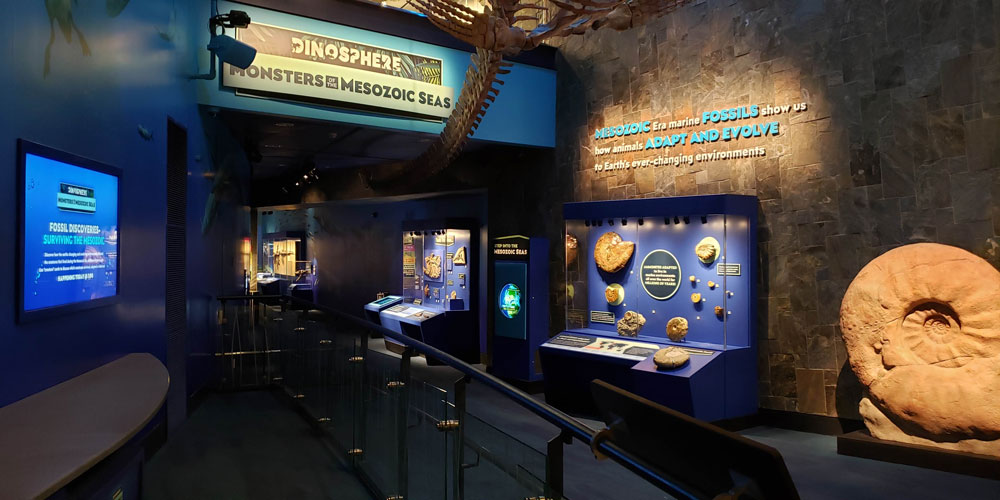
column 68, row 231
column 304, row 66
column 660, row 137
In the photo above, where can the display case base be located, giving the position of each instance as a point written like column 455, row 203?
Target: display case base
column 862, row 444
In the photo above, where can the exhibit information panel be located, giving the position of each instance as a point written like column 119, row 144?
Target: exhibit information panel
column 679, row 281
column 70, row 233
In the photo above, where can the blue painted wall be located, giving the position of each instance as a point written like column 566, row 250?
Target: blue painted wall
column 92, row 105
column 524, row 112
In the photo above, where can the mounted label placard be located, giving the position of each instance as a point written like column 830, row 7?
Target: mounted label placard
column 314, row 68
column 728, row 270
column 660, row 274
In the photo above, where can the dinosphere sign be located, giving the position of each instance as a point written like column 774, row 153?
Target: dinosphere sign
column 314, row 68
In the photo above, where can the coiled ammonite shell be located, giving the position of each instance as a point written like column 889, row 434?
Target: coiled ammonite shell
column 572, row 247
column 669, row 358
column 612, row 253
column 921, row 324
column 677, row 328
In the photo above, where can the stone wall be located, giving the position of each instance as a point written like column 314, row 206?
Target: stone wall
column 900, row 143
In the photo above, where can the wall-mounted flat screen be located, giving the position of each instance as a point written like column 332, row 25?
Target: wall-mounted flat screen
column 68, row 232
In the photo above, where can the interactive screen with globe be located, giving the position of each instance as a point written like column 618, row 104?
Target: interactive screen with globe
column 510, row 300
column 68, row 231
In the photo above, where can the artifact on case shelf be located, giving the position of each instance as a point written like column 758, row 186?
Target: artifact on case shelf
column 572, row 246
column 922, row 332
column 671, row 357
column 615, row 294
column 712, row 285
column 454, row 295
column 719, row 311
column 677, row 329
column 432, row 266
column 459, row 258
column 630, row 324
column 693, row 279
column 612, row 253
column 427, row 290
column 696, row 297
column 707, row 250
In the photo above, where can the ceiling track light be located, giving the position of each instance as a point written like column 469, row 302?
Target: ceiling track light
column 624, row 222
column 687, row 220
column 704, row 219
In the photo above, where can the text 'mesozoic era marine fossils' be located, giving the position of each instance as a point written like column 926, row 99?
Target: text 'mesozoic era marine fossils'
column 921, row 324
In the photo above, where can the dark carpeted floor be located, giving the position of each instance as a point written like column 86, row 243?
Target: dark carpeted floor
column 250, row 445
column 247, row 446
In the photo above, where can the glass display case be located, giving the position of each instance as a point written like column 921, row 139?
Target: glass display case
column 282, row 253
column 439, row 300
column 644, row 276
column 685, row 277
column 436, row 268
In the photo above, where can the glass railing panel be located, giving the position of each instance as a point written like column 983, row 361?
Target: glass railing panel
column 380, row 428
column 292, row 352
column 497, row 466
column 343, row 388
column 314, row 343
column 428, row 428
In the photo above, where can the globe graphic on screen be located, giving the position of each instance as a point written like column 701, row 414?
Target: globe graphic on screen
column 510, row 300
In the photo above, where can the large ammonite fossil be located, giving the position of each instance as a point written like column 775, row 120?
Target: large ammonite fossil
column 612, row 253
column 922, row 328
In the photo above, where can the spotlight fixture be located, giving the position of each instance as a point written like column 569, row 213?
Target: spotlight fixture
column 640, row 221
column 687, row 220
column 666, row 221
column 611, row 222
column 586, row 223
column 226, row 48
column 704, row 219
column 677, row 220
column 624, row 222
column 600, row 222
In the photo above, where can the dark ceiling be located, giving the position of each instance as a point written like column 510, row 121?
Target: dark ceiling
column 277, row 145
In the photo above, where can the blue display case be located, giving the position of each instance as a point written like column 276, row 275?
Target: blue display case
column 664, row 278
column 440, row 295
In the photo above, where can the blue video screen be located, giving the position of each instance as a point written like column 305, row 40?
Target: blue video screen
column 70, row 232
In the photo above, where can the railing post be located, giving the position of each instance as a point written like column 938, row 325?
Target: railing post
column 459, row 439
column 554, row 465
column 403, row 405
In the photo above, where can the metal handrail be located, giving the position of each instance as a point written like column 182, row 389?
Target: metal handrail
column 556, row 417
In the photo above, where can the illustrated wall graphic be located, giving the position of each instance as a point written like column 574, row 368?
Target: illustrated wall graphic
column 61, row 12
column 922, row 332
